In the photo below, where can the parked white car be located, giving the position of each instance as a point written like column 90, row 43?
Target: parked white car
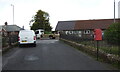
column 27, row 37
column 39, row 33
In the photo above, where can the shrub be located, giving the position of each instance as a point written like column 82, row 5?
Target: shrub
column 112, row 34
column 47, row 32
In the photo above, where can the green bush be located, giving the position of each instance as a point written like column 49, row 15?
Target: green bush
column 4, row 41
column 112, row 34
column 46, row 32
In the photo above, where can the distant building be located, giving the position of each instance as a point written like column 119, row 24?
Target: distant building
column 11, row 29
column 82, row 29
column 119, row 9
column 3, row 32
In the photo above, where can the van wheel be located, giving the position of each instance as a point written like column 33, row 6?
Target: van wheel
column 34, row 45
column 20, row 45
column 53, row 37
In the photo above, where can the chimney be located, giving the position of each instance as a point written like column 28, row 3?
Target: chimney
column 23, row 27
column 6, row 23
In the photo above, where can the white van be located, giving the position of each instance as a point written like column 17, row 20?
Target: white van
column 27, row 37
column 39, row 33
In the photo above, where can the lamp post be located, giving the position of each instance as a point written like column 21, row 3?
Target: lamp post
column 13, row 13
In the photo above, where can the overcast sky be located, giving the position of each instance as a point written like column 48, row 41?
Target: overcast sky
column 59, row 10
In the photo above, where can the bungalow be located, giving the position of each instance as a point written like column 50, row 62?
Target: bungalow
column 2, row 31
column 82, row 29
column 11, row 29
column 9, row 34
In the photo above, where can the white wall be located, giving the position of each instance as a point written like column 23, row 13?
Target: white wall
column 119, row 9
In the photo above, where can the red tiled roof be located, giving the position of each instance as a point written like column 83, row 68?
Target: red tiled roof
column 93, row 24
column 85, row 24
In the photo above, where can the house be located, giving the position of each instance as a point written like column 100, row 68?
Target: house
column 83, row 29
column 11, row 29
column 2, row 31
column 9, row 34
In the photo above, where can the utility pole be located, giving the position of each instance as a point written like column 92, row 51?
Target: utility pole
column 114, row 11
column 13, row 13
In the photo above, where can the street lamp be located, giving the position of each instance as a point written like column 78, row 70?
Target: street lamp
column 13, row 13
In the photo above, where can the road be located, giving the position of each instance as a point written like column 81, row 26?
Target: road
column 50, row 55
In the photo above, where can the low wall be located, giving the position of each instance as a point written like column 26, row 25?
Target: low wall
column 8, row 47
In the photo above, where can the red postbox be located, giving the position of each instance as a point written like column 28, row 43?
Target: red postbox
column 97, row 34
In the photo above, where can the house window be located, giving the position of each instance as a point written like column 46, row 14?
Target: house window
column 66, row 32
column 86, row 31
column 80, row 35
column 74, row 32
column 70, row 32
column 79, row 32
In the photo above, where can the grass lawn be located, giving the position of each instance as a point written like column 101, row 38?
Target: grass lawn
column 111, row 49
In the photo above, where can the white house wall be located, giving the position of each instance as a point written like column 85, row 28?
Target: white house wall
column 119, row 9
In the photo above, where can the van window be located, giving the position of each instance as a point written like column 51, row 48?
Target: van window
column 37, row 32
column 27, row 33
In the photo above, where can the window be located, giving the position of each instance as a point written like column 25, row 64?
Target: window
column 66, row 32
column 79, row 32
column 37, row 32
column 86, row 31
column 80, row 35
column 74, row 32
column 70, row 32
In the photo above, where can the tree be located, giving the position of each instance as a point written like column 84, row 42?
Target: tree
column 112, row 34
column 41, row 21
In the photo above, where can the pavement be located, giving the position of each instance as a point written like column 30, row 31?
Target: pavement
column 50, row 55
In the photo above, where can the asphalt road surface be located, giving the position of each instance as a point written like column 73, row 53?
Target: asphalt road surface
column 50, row 55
